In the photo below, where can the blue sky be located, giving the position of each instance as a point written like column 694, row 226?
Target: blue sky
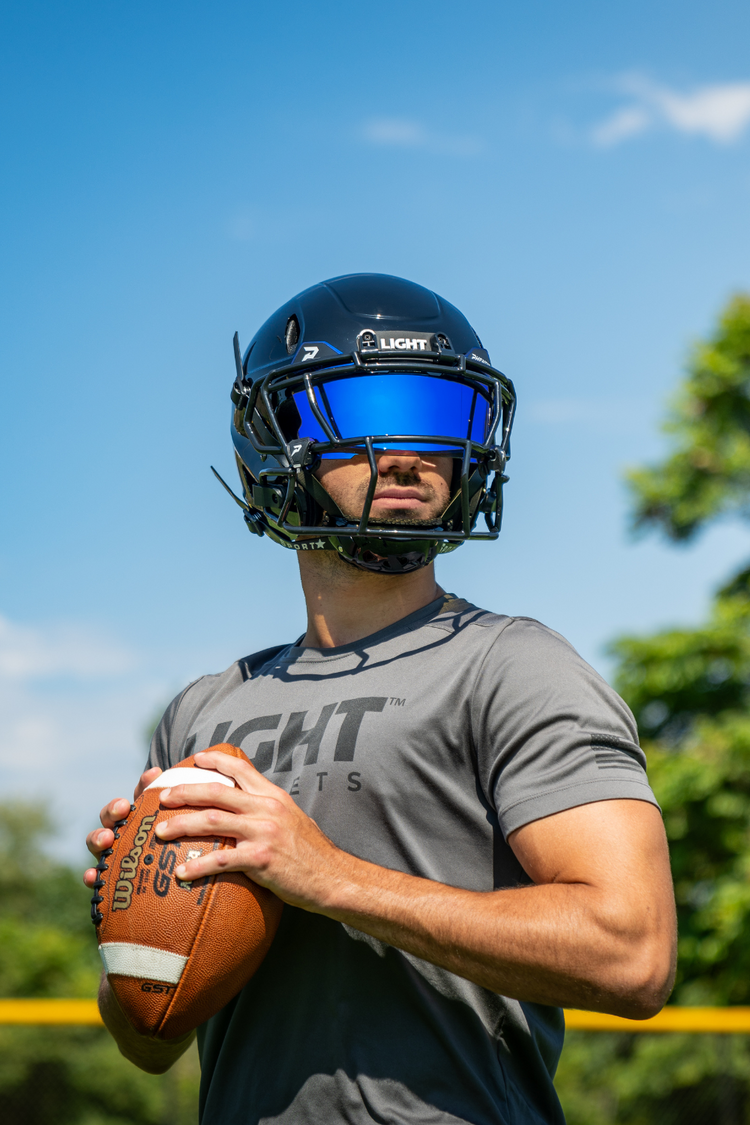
column 575, row 177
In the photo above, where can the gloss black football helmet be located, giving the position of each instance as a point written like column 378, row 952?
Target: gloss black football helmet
column 358, row 365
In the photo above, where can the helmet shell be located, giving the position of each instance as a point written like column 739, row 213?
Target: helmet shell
column 354, row 326
column 334, row 312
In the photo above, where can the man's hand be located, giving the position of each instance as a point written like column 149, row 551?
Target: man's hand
column 152, row 1055
column 102, row 838
column 597, row 930
column 277, row 844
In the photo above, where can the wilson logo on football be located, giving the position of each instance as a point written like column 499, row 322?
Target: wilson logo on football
column 129, row 865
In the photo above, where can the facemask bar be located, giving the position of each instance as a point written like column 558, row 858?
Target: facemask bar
column 298, row 457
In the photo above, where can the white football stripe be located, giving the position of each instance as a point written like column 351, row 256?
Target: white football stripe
column 189, row 775
column 126, row 959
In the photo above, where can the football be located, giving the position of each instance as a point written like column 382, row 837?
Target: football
column 174, row 952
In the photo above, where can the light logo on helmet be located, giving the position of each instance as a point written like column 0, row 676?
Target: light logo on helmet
column 404, row 343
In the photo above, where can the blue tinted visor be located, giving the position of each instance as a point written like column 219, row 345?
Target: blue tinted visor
column 427, row 410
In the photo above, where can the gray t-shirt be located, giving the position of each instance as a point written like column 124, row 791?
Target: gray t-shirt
column 420, row 749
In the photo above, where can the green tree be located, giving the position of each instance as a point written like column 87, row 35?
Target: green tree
column 707, row 473
column 65, row 1075
column 690, row 692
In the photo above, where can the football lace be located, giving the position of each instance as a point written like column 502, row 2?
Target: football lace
column 101, row 867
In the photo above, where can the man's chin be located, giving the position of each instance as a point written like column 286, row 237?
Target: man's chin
column 397, row 517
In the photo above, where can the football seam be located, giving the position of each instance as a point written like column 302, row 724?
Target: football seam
column 198, row 932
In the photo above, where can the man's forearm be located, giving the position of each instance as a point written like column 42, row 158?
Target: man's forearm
column 596, row 930
column 551, row 944
column 152, row 1055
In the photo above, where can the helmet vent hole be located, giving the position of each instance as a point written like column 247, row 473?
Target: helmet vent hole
column 292, row 334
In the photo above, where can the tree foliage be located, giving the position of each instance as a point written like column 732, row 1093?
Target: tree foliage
column 690, row 692
column 65, row 1075
column 708, row 471
column 45, row 943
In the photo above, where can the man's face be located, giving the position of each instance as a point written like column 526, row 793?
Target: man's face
column 413, row 489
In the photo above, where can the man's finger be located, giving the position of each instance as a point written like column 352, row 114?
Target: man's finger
column 215, row 795
column 211, row 822
column 104, row 837
column 244, row 774
column 99, row 839
column 146, row 779
column 114, row 811
column 216, row 862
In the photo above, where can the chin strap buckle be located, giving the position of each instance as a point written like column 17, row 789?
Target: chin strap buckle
column 253, row 521
column 497, row 460
column 240, row 393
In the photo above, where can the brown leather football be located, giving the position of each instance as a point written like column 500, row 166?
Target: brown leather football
column 175, row 953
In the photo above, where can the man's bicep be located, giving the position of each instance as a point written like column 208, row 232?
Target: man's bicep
column 617, row 844
column 607, row 865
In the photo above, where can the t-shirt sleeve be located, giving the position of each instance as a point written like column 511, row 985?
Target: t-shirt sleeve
column 549, row 732
column 172, row 740
column 168, row 739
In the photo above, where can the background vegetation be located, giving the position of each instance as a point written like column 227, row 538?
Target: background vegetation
column 689, row 690
column 65, row 1075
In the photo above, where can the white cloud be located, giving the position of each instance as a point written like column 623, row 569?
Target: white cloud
column 402, row 132
column 625, row 123
column 29, row 652
column 73, row 705
column 72, row 751
column 720, row 112
column 394, row 131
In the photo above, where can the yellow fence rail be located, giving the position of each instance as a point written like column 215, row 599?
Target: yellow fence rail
column 49, row 1011
column 717, row 1020
column 723, row 1020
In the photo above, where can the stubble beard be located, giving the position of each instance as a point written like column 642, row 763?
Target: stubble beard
column 396, row 516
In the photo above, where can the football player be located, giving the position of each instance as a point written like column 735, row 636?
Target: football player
column 452, row 804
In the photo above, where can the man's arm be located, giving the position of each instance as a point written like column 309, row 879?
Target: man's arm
column 597, row 930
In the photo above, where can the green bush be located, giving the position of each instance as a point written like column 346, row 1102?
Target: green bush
column 59, row 1075
column 690, row 692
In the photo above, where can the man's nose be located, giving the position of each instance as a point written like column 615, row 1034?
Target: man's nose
column 402, row 461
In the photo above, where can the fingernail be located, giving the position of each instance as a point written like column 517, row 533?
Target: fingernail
column 180, row 871
column 165, row 793
column 159, row 830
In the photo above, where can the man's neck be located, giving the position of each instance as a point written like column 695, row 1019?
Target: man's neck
column 345, row 604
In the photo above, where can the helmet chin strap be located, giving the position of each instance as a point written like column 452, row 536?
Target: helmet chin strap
column 365, row 556
column 245, row 507
column 369, row 553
